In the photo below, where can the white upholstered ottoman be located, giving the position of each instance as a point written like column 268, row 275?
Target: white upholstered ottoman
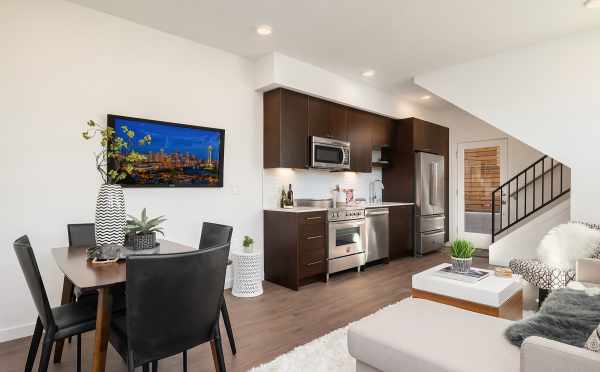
column 420, row 335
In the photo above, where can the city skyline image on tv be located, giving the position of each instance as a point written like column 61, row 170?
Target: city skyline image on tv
column 177, row 154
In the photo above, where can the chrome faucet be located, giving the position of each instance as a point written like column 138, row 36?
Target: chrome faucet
column 373, row 191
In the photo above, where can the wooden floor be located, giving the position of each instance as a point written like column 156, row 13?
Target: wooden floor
column 273, row 323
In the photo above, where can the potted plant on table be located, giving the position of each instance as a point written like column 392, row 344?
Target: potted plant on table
column 461, row 255
column 248, row 244
column 141, row 232
column 117, row 149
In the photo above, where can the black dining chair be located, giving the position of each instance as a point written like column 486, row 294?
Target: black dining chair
column 214, row 234
column 81, row 236
column 162, row 319
column 59, row 322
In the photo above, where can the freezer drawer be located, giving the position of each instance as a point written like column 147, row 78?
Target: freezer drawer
column 429, row 241
column 431, row 223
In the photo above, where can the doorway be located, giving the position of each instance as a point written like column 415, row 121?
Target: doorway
column 482, row 167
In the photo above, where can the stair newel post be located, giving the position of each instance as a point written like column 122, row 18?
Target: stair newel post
column 493, row 214
column 551, row 178
column 543, row 178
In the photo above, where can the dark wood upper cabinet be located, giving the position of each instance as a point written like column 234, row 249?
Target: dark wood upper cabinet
column 327, row 119
column 381, row 131
column 290, row 118
column 428, row 137
column 359, row 135
column 285, row 143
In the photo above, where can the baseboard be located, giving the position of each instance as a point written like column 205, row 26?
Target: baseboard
column 13, row 333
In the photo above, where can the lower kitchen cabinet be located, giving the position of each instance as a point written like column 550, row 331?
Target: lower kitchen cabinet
column 401, row 231
column 295, row 247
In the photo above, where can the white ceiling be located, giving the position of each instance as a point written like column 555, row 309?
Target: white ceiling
column 397, row 38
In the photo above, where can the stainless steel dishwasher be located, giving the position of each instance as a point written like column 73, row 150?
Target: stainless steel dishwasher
column 378, row 237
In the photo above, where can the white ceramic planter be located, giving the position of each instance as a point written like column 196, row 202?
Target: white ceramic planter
column 110, row 215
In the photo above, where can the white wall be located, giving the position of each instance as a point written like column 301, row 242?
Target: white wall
column 548, row 96
column 522, row 242
column 464, row 127
column 62, row 65
column 277, row 69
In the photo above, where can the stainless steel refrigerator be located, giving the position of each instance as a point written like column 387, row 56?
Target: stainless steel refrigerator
column 429, row 202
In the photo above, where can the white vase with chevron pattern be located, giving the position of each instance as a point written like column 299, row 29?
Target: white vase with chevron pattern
column 110, row 215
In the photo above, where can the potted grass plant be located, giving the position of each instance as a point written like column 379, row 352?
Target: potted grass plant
column 141, row 232
column 461, row 255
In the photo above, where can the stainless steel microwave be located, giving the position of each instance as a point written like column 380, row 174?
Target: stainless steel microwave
column 328, row 153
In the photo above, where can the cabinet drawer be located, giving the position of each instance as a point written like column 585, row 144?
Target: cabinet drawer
column 312, row 231
column 315, row 267
column 313, row 218
column 312, row 250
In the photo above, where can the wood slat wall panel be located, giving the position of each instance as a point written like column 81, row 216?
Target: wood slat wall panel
column 482, row 176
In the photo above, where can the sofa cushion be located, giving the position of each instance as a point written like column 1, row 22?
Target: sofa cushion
column 421, row 335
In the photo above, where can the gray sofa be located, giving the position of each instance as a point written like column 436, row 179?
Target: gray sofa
column 424, row 336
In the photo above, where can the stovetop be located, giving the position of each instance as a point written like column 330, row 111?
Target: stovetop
column 345, row 213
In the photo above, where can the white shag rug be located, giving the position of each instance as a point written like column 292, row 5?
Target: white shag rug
column 328, row 353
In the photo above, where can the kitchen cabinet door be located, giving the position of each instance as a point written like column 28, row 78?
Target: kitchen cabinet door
column 318, row 117
column 285, row 141
column 327, row 119
column 381, row 131
column 401, row 231
column 428, row 137
column 359, row 135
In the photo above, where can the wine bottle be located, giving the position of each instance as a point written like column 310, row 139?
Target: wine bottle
column 290, row 196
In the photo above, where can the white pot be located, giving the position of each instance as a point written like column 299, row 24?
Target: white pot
column 249, row 249
column 461, row 265
column 110, row 215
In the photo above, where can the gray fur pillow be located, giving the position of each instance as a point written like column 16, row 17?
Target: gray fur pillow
column 566, row 316
column 593, row 343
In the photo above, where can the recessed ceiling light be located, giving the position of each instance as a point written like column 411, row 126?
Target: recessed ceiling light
column 264, row 30
column 592, row 4
column 425, row 97
column 368, row 73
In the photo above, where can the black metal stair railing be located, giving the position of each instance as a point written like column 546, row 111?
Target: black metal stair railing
column 530, row 190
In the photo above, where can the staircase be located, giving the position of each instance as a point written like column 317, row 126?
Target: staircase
column 535, row 188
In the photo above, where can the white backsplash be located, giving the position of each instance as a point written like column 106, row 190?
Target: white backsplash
column 314, row 184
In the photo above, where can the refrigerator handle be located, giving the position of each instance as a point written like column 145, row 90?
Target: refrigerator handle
column 433, row 184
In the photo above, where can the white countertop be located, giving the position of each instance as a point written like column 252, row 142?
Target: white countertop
column 320, row 209
column 492, row 290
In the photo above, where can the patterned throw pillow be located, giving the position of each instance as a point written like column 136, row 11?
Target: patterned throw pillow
column 593, row 343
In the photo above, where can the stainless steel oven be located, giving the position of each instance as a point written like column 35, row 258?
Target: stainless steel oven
column 347, row 239
column 329, row 153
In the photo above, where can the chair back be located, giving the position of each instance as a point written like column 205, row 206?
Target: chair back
column 28, row 263
column 173, row 301
column 81, row 234
column 214, row 234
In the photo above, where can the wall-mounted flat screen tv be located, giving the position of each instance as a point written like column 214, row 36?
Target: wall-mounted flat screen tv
column 177, row 155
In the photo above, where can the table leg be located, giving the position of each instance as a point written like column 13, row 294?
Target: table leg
column 102, row 329
column 66, row 298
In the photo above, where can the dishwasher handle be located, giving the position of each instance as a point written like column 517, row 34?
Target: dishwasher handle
column 377, row 212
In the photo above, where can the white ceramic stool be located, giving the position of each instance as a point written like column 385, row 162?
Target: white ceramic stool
column 247, row 274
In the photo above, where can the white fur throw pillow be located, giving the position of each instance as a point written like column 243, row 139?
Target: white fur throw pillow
column 566, row 243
